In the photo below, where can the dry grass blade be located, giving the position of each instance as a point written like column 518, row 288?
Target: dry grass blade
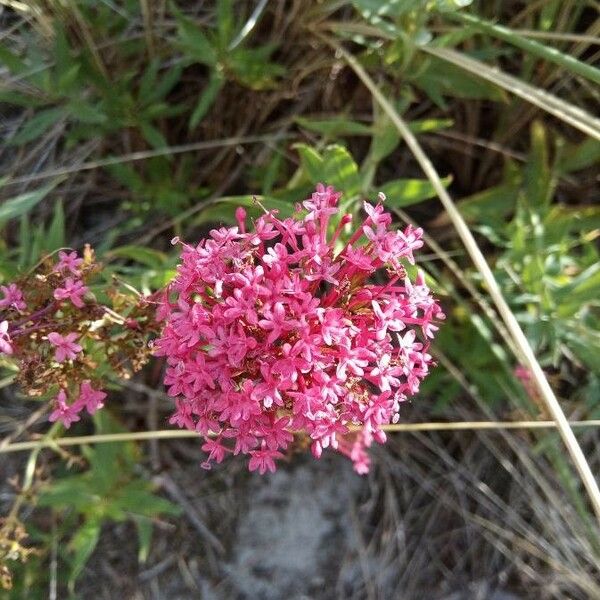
column 168, row 434
column 474, row 251
column 556, row 106
column 146, row 154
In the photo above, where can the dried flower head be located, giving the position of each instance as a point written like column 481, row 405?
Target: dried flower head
column 65, row 341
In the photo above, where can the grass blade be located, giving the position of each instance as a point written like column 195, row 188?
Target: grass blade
column 556, row 106
column 540, row 50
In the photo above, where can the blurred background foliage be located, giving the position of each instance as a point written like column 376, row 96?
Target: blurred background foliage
column 126, row 123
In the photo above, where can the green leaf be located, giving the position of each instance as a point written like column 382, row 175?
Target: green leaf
column 27, row 100
column 37, row 125
column 490, row 206
column 137, row 498
column 165, row 84
column 195, row 42
column 428, row 125
column 538, row 177
column 582, row 289
column 225, row 21
column 22, row 204
column 69, row 492
column 580, row 156
column 252, row 68
column 146, row 256
column 335, row 167
column 377, row 12
column 148, row 80
column 12, row 61
column 385, row 139
column 405, row 192
column 311, row 160
column 532, row 47
column 86, row 113
column 207, row 98
column 82, row 544
column 153, row 136
column 144, row 531
column 56, row 232
column 334, row 127
column 554, row 105
column 439, row 79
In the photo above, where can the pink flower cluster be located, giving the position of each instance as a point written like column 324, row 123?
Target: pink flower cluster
column 284, row 328
column 88, row 398
column 38, row 317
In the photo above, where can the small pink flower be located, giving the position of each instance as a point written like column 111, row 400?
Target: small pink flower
column 68, row 262
column 63, row 412
column 65, row 346
column 216, row 451
column 90, row 398
column 263, row 460
column 13, row 297
column 73, row 291
column 5, row 341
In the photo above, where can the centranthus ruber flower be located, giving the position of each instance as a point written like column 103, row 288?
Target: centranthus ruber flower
column 13, row 297
column 65, row 346
column 68, row 262
column 73, row 290
column 5, row 341
column 63, row 412
column 281, row 329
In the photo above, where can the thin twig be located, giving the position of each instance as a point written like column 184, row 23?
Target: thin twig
column 495, row 292
column 168, row 434
column 145, row 154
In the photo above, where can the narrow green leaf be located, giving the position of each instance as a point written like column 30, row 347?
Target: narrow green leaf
column 540, row 50
column 148, row 80
column 438, row 80
column 146, row 256
column 144, row 531
column 207, row 98
column 490, row 206
column 311, row 160
column 341, row 171
column 428, row 125
column 153, row 136
column 56, row 232
column 225, row 21
column 20, row 205
column 14, row 63
column 165, row 84
column 195, row 42
column 86, row 113
column 334, row 127
column 37, row 125
column 565, row 111
column 580, row 156
column 405, row 192
column 335, row 167
column 82, row 544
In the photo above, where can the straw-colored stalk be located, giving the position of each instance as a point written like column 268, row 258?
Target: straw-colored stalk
column 521, row 342
column 169, row 434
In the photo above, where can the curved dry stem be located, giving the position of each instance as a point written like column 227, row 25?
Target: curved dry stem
column 474, row 251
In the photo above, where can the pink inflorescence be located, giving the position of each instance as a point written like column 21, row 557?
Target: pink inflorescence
column 284, row 329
